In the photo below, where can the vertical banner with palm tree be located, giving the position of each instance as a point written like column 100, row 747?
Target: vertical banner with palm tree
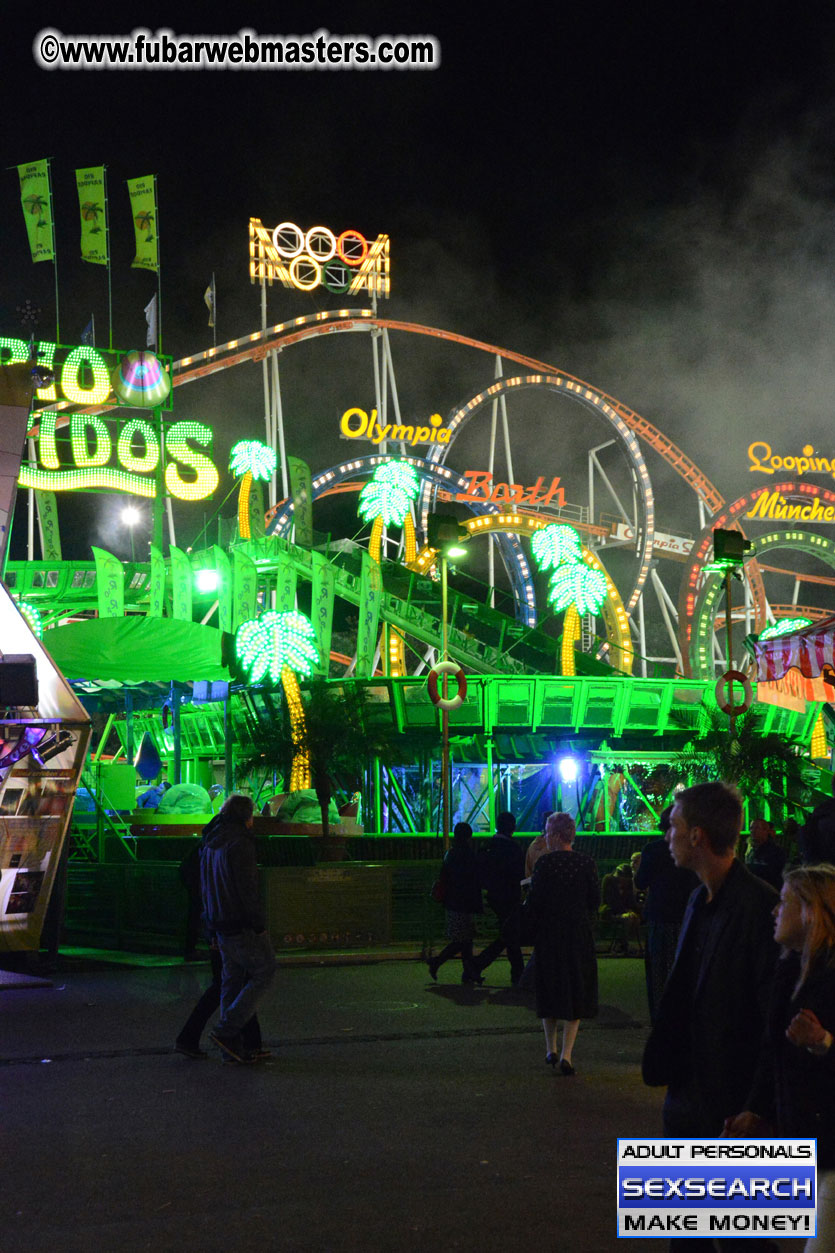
column 36, row 199
column 371, row 595
column 143, row 203
column 302, row 492
column 92, row 201
column 321, row 608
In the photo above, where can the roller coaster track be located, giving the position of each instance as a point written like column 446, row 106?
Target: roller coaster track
column 254, row 347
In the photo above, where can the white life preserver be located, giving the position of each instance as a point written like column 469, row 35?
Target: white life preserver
column 438, row 670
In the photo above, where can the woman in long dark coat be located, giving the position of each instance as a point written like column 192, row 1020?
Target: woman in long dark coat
column 460, row 876
column 565, row 894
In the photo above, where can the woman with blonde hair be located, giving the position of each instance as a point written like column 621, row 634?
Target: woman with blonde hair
column 794, row 1087
column 564, row 897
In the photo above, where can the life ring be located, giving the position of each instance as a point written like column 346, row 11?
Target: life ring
column 439, row 669
column 732, row 706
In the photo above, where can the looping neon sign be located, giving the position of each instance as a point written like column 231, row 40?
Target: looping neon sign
column 343, row 264
column 82, row 375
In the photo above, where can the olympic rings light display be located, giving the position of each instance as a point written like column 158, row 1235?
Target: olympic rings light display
column 344, row 263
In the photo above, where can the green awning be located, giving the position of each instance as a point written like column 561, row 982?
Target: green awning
column 137, row 649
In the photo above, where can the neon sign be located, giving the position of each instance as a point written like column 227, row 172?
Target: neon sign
column 357, row 424
column 480, row 487
column 82, row 375
column 765, row 462
column 137, row 452
column 343, row 264
column 774, row 505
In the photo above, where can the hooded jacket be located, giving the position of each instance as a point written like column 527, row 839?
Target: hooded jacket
column 229, row 878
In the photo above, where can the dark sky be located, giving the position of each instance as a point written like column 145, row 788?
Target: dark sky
column 641, row 194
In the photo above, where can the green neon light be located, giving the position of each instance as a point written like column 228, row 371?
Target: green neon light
column 32, row 616
column 785, row 627
column 207, row 477
column 577, row 585
column 250, row 456
column 71, row 375
column 267, row 644
column 126, row 455
column 556, row 545
column 77, row 480
column 80, row 423
column 389, row 494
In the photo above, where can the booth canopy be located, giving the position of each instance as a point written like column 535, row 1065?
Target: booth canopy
column 811, row 651
column 137, row 649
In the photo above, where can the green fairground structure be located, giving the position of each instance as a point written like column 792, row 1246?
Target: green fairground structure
column 587, row 649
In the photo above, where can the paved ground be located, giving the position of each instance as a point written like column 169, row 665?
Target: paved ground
column 395, row 1115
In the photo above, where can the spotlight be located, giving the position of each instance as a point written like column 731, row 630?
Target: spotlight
column 206, row 580
column 568, row 768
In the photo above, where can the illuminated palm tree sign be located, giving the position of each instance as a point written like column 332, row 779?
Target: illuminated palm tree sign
column 388, row 499
column 248, row 460
column 280, row 646
column 573, row 586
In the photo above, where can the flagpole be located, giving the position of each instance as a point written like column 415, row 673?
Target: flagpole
column 109, row 271
column 54, row 249
column 214, row 312
column 159, row 273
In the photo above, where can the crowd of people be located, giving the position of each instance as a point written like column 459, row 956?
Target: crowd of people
column 740, row 979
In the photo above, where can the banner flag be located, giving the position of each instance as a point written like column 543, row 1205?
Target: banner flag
column 48, row 523
column 371, row 595
column 143, row 203
column 245, row 588
column 156, row 587
column 88, row 335
column 91, row 205
column 182, row 578
column 151, row 319
column 223, row 566
column 285, row 579
column 301, row 492
column 36, row 200
column 110, row 583
column 210, row 297
column 321, row 608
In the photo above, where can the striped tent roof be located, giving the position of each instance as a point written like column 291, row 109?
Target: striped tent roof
column 810, row 651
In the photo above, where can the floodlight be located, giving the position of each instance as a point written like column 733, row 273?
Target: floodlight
column 206, row 580
column 568, row 768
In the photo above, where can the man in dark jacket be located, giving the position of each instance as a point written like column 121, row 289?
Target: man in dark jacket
column 705, row 1043
column 235, row 915
column 667, row 889
column 501, row 870
column 816, row 840
column 765, row 858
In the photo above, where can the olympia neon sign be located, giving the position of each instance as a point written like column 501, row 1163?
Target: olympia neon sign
column 343, row 264
column 82, row 375
column 357, row 424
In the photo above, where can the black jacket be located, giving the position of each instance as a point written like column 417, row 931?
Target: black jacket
column 767, row 861
column 816, row 840
column 667, row 885
column 707, row 1037
column 793, row 1088
column 502, row 869
column 229, row 878
column 460, row 873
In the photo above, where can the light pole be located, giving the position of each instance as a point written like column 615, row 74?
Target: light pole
column 447, row 535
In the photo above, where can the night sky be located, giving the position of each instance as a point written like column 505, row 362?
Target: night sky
column 640, row 194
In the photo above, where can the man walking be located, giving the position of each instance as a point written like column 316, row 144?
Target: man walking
column 502, row 867
column 235, row 915
column 707, row 1036
column 765, row 858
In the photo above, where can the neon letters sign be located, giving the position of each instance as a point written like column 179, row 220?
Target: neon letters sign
column 357, row 424
column 480, row 487
column 82, row 375
column 344, row 264
column 764, row 462
column 138, row 454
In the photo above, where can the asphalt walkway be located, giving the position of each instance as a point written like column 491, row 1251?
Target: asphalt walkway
column 395, row 1115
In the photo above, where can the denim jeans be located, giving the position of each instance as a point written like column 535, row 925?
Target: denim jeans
column 248, row 969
